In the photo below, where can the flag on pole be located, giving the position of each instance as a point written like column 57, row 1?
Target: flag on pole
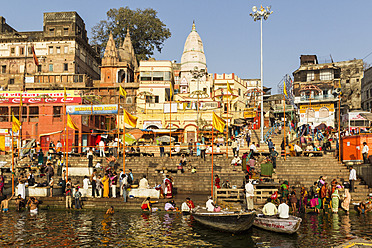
column 20, row 100
column 122, row 91
column 285, row 89
column 34, row 55
column 64, row 94
column 70, row 123
column 130, row 119
column 16, row 124
column 218, row 123
column 170, row 92
column 229, row 88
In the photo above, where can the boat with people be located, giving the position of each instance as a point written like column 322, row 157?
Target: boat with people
column 275, row 224
column 230, row 221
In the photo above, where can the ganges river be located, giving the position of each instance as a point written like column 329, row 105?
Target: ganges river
column 135, row 229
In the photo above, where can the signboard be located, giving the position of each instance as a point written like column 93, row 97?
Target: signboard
column 39, row 96
column 356, row 116
column 317, row 107
column 104, row 109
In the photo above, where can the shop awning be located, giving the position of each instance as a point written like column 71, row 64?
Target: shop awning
column 46, row 134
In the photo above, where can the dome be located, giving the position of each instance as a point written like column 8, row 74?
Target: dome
column 193, row 52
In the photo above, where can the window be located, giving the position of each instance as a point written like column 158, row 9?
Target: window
column 348, row 81
column 50, row 67
column 57, row 111
column 11, row 81
column 4, row 115
column 15, row 111
column 310, row 76
column 205, row 90
column 50, row 50
column 51, row 31
column 65, row 66
column 58, row 50
column 65, row 31
column 24, row 113
column 65, row 50
column 34, row 114
column 357, row 79
column 323, row 113
column 326, row 75
column 146, row 76
column 156, row 99
column 3, row 69
column 21, row 50
column 12, row 50
column 29, row 49
column 129, row 99
column 325, row 93
column 158, row 76
column 148, row 99
column 39, row 68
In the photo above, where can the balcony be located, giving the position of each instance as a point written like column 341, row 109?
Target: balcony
column 315, row 98
column 58, row 80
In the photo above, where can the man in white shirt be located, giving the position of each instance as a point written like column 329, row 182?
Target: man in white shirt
column 352, row 178
column 234, row 145
column 101, row 145
column 249, row 193
column 283, row 209
column 297, row 149
column 209, row 204
column 269, row 209
column 86, row 182
column 253, row 147
column 365, row 153
column 143, row 183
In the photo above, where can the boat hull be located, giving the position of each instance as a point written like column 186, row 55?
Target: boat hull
column 231, row 222
column 289, row 226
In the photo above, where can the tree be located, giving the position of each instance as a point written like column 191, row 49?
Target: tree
column 147, row 31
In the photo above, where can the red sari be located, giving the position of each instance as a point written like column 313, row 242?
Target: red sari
column 217, row 183
column 169, row 187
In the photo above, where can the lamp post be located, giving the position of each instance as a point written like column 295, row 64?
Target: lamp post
column 260, row 15
column 197, row 74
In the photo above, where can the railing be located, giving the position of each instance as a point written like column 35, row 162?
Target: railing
column 263, row 194
column 228, row 194
column 319, row 97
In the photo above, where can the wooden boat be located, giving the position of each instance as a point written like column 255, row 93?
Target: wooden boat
column 225, row 220
column 274, row 224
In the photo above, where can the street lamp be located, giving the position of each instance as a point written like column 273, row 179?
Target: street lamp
column 260, row 15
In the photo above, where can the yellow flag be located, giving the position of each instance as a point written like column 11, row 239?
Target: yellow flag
column 16, row 124
column 70, row 123
column 218, row 123
column 170, row 92
column 229, row 88
column 64, row 94
column 285, row 89
column 122, row 91
column 130, row 119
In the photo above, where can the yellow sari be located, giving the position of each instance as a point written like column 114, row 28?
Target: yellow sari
column 106, row 186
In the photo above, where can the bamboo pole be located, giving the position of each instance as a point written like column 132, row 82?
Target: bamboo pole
column 123, row 146
column 118, row 144
column 12, row 162
column 20, row 127
column 285, row 143
column 227, row 129
column 170, row 127
column 212, row 163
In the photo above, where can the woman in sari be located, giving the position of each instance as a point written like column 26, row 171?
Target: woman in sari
column 335, row 200
column 346, row 202
column 285, row 189
column 168, row 189
column 217, row 182
column 40, row 157
column 106, row 185
column 304, row 195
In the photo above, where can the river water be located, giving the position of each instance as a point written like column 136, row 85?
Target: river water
column 161, row 229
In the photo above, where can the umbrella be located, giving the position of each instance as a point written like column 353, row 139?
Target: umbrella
column 137, row 133
column 321, row 126
column 164, row 139
column 129, row 139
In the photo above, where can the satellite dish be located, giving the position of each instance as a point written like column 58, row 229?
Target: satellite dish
column 254, row 8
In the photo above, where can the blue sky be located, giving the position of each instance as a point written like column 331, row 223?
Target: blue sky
column 231, row 38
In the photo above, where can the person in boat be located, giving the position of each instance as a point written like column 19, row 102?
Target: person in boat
column 146, row 204
column 187, row 206
column 210, row 206
column 170, row 206
column 269, row 210
column 110, row 210
column 217, row 182
column 283, row 209
column 249, row 193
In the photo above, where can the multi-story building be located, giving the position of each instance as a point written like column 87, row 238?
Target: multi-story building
column 367, row 90
column 63, row 56
column 315, row 84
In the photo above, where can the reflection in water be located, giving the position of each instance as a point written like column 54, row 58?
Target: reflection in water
column 136, row 229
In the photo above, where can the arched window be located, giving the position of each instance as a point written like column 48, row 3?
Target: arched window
column 323, row 112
